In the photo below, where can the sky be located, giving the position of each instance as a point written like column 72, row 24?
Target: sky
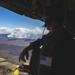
column 16, row 25
column 12, row 20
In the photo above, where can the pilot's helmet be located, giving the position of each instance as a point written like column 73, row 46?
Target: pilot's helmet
column 54, row 13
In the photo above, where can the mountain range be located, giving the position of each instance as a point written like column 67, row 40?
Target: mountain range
column 10, row 48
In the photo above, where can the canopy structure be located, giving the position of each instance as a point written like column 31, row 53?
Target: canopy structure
column 36, row 9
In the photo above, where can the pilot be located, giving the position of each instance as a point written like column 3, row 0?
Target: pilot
column 57, row 54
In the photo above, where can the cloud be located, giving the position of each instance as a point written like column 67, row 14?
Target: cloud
column 22, row 32
column 5, row 30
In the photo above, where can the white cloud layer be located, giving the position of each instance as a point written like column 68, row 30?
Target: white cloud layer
column 22, row 32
